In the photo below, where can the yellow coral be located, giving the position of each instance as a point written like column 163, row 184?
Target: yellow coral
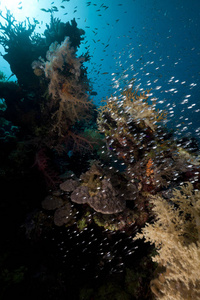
column 92, row 179
column 138, row 107
column 133, row 106
column 176, row 235
column 192, row 159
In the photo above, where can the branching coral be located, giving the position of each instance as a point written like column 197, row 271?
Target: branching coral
column 138, row 108
column 68, row 86
column 57, row 30
column 165, row 171
column 43, row 164
column 10, row 31
column 133, row 107
column 176, row 235
column 129, row 124
column 135, row 134
column 22, row 46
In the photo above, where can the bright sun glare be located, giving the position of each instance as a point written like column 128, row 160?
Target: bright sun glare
column 20, row 9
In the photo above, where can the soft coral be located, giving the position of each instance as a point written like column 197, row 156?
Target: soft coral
column 68, row 86
column 42, row 162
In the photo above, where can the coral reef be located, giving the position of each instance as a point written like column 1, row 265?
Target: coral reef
column 43, row 162
column 22, row 45
column 63, row 209
column 68, row 85
column 87, row 180
column 176, row 235
column 57, row 31
column 98, row 191
column 51, row 202
column 136, row 105
column 107, row 200
column 40, row 107
column 107, row 194
column 80, row 195
column 135, row 134
column 129, row 125
column 18, row 39
column 63, row 215
column 69, row 185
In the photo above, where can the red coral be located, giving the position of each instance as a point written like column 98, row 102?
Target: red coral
column 42, row 162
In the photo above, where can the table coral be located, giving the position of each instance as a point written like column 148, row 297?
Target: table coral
column 107, row 200
column 80, row 195
column 64, row 215
column 52, row 202
column 69, row 185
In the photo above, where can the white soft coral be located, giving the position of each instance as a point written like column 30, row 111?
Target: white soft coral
column 66, row 87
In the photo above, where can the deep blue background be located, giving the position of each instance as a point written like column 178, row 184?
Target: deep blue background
column 157, row 42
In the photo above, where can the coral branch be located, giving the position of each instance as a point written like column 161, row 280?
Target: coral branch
column 176, row 235
column 68, row 85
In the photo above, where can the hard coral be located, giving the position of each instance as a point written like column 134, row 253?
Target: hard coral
column 92, row 178
column 57, row 30
column 19, row 42
column 107, row 200
column 69, row 185
column 80, row 195
column 64, row 214
column 98, row 192
column 52, row 202
column 62, row 207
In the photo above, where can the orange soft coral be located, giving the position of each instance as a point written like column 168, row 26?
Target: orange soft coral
column 149, row 168
column 68, row 86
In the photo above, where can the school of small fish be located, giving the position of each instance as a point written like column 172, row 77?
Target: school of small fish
column 116, row 58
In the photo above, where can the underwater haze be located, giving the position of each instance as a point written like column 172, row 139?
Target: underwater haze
column 155, row 42
column 99, row 149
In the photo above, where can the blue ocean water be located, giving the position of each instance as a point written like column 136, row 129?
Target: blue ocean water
column 154, row 41
column 80, row 246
